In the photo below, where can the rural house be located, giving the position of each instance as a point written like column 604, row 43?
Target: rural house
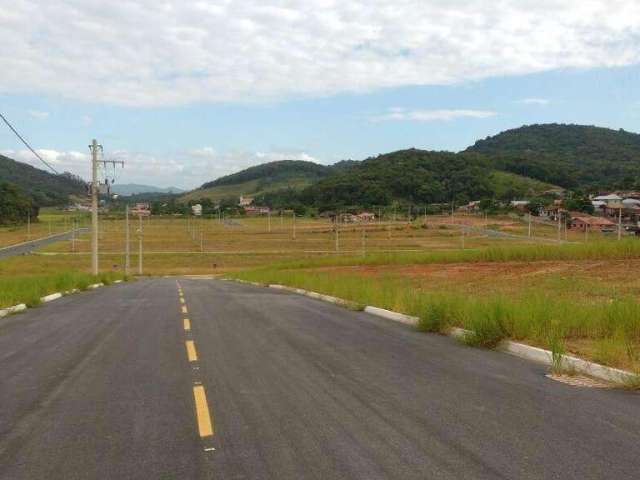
column 585, row 222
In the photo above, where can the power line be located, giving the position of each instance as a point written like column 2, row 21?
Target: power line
column 27, row 145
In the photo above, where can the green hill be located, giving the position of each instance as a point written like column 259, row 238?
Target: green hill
column 418, row 177
column 572, row 156
column 45, row 188
column 260, row 179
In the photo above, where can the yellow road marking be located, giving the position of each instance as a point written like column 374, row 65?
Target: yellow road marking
column 205, row 425
column 181, row 300
column 184, row 309
column 187, row 324
column 191, row 351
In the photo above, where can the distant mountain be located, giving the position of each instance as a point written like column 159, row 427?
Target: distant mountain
column 45, row 188
column 257, row 180
column 573, row 156
column 126, row 189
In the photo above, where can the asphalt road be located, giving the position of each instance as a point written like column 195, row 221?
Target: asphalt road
column 99, row 385
column 27, row 247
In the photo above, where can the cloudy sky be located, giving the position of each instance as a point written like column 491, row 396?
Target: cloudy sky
column 186, row 91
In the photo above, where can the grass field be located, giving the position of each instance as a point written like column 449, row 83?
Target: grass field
column 49, row 222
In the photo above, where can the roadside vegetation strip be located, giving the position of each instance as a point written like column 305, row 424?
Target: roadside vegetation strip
column 606, row 332
column 32, row 290
column 628, row 248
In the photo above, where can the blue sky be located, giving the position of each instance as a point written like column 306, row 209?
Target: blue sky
column 187, row 120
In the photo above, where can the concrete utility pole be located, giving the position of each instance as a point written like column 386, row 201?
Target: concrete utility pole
column 559, row 226
column 127, row 256
column 140, row 246
column 364, row 242
column 294, row 224
column 269, row 221
column 337, row 235
column 29, row 226
column 620, row 224
column 94, row 206
column 529, row 235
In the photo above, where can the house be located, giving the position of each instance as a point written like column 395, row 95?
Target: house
column 612, row 198
column 365, row 217
column 470, row 207
column 141, row 209
column 255, row 210
column 584, row 222
column 245, row 201
column 196, row 209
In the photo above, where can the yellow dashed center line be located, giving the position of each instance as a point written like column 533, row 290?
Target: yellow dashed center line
column 187, row 324
column 205, row 425
column 191, row 351
column 181, row 300
column 184, row 309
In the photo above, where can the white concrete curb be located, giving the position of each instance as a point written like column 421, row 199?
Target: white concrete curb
column 51, row 297
column 390, row 315
column 16, row 308
column 521, row 350
column 48, row 298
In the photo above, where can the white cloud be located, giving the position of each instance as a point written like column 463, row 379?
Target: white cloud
column 401, row 114
column 174, row 52
column 185, row 169
column 535, row 101
column 38, row 115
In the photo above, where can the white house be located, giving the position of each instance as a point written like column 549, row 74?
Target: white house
column 196, row 209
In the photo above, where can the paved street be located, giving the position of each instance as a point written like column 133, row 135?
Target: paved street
column 198, row 379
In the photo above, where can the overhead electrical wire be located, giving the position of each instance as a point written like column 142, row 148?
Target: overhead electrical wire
column 27, row 144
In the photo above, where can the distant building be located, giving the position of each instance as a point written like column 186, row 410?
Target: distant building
column 519, row 204
column 255, row 210
column 196, row 209
column 366, row 217
column 245, row 201
column 584, row 222
column 140, row 209
column 612, row 198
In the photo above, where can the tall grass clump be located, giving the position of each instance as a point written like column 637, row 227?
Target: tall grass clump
column 28, row 289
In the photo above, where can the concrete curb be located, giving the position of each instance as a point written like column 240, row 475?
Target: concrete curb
column 51, row 297
column 527, row 352
column 15, row 309
column 48, row 298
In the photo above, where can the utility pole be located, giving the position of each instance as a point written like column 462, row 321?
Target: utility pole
column 29, row 226
column 364, row 242
column 337, row 235
column 94, row 147
column 529, row 235
column 462, row 236
column 127, row 256
column 94, row 206
column 201, row 241
column 620, row 224
column 294, row 224
column 269, row 221
column 140, row 246
column 559, row 226
column 586, row 233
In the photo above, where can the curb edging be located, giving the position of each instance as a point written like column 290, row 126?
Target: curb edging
column 49, row 298
column 527, row 352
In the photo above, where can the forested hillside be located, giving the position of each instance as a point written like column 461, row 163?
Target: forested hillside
column 573, row 156
column 259, row 179
column 15, row 205
column 46, row 188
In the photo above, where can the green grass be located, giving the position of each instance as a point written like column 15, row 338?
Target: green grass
column 29, row 289
column 598, row 250
column 533, row 316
